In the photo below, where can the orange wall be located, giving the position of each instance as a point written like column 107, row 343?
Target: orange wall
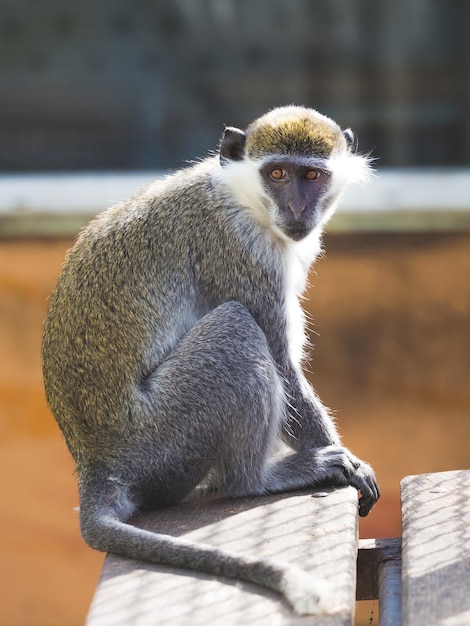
column 392, row 359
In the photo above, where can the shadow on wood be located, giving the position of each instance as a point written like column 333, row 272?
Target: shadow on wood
column 318, row 534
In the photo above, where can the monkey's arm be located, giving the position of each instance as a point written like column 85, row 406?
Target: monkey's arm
column 307, row 423
column 310, row 431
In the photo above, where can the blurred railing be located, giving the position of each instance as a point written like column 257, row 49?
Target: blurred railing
column 395, row 200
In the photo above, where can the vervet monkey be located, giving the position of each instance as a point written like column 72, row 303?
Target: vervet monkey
column 173, row 344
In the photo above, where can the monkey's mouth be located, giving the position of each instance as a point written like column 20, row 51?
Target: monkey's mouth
column 297, row 230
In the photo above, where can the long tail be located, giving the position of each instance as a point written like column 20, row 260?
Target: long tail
column 306, row 594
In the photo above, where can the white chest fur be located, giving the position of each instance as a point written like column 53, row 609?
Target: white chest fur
column 299, row 257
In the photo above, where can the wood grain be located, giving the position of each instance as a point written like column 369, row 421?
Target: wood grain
column 436, row 549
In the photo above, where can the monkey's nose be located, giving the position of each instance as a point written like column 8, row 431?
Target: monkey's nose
column 296, row 209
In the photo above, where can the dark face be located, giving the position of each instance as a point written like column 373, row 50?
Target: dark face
column 298, row 185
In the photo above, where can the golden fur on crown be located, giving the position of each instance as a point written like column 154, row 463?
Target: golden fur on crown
column 293, row 130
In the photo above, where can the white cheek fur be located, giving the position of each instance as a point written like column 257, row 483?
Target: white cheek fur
column 348, row 168
column 244, row 181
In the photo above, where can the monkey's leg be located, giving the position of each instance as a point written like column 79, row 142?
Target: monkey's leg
column 217, row 403
column 225, row 414
column 214, row 403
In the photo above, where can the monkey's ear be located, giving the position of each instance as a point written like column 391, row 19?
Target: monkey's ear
column 351, row 139
column 232, row 145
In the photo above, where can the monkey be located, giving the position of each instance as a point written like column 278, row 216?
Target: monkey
column 173, row 345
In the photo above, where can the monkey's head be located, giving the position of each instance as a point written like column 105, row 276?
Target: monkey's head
column 295, row 163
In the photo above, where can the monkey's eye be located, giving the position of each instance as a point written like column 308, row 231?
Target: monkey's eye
column 278, row 173
column 311, row 174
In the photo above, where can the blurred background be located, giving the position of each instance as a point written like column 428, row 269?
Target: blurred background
column 139, row 87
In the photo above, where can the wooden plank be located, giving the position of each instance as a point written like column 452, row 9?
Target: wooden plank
column 436, row 549
column 317, row 533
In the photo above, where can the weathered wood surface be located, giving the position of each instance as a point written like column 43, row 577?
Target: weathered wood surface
column 317, row 533
column 436, row 549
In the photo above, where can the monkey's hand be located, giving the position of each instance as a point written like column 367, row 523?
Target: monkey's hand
column 342, row 468
column 364, row 481
column 327, row 466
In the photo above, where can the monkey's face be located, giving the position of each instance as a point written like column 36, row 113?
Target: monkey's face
column 289, row 168
column 299, row 188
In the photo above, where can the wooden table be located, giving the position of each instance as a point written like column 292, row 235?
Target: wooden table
column 423, row 579
column 436, row 549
